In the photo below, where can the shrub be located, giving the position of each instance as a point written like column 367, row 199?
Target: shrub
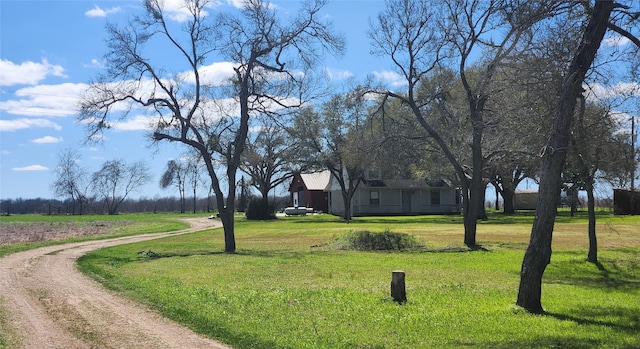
column 365, row 240
column 260, row 210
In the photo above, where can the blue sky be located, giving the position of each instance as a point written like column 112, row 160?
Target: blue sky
column 50, row 50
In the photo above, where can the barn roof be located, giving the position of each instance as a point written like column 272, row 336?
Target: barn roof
column 316, row 180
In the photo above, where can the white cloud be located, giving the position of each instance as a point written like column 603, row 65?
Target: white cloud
column 31, row 168
column 136, row 123
column 243, row 3
column 95, row 63
column 47, row 140
column 21, row 124
column 27, row 73
column 178, row 11
column 45, row 100
column 392, row 78
column 215, row 74
column 338, row 74
column 97, row 11
column 5, row 152
column 615, row 41
column 621, row 89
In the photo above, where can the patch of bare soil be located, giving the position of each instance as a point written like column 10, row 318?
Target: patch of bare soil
column 13, row 232
column 47, row 303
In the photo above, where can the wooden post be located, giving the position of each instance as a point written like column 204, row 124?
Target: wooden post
column 398, row 292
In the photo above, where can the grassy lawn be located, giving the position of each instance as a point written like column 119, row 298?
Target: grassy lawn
column 287, row 288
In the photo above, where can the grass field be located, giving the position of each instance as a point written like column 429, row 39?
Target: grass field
column 287, row 288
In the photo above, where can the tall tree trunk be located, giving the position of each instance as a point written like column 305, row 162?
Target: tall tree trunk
column 507, row 200
column 538, row 254
column 470, row 215
column 227, row 218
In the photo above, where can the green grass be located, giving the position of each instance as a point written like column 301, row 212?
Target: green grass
column 283, row 289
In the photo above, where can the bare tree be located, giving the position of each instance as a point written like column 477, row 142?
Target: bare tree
column 194, row 176
column 268, row 158
column 272, row 63
column 175, row 174
column 600, row 16
column 116, row 180
column 71, row 179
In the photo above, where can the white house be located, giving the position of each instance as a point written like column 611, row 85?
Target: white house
column 396, row 197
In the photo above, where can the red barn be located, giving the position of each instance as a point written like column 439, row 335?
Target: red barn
column 307, row 190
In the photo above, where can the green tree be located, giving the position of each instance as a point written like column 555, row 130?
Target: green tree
column 420, row 37
column 337, row 138
column 268, row 158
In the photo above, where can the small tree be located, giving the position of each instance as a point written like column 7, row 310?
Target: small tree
column 116, row 180
column 175, row 174
column 71, row 180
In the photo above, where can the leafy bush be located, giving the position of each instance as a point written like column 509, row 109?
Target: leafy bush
column 365, row 240
column 260, row 210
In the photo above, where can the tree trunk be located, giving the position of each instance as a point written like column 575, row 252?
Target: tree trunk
column 538, row 254
column 227, row 218
column 347, row 197
column 195, row 200
column 476, row 184
column 482, row 209
column 572, row 196
column 470, row 215
column 507, row 200
column 592, row 256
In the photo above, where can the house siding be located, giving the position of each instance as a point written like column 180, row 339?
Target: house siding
column 391, row 202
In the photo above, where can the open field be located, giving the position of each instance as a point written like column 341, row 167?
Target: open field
column 21, row 232
column 287, row 288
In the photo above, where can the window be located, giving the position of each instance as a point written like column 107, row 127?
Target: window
column 435, row 198
column 374, row 198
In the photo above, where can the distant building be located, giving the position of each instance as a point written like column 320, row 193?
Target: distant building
column 307, row 190
column 626, row 202
column 375, row 196
column 525, row 199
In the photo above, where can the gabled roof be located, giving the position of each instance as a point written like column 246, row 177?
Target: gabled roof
column 316, row 180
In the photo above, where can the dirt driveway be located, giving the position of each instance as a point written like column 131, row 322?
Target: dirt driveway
column 48, row 303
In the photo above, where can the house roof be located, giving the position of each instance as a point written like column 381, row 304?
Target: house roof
column 404, row 183
column 316, row 180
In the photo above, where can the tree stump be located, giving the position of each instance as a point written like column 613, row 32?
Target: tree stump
column 398, row 292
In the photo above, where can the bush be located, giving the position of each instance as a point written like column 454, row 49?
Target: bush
column 260, row 210
column 365, row 240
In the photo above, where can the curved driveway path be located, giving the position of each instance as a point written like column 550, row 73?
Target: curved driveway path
column 50, row 304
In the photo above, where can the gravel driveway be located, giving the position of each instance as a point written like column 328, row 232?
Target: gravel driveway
column 50, row 304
